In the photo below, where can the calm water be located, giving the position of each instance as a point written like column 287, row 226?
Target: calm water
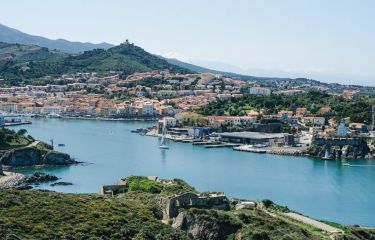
column 321, row 189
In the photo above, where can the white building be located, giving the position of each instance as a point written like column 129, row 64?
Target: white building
column 342, row 130
column 147, row 109
column 260, row 91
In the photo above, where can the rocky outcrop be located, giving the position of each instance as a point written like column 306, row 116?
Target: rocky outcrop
column 40, row 177
column 61, row 184
column 202, row 225
column 31, row 156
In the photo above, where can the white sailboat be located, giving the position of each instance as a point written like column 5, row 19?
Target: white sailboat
column 163, row 144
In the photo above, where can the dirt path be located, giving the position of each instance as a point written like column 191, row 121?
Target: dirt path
column 309, row 221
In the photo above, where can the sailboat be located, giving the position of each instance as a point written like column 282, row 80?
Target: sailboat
column 163, row 145
column 327, row 155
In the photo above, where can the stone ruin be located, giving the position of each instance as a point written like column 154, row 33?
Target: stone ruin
column 213, row 200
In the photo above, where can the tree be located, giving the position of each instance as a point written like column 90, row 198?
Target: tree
column 22, row 132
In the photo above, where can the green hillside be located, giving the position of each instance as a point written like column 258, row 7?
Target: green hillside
column 24, row 63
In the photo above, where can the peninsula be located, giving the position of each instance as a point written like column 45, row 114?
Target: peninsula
column 17, row 149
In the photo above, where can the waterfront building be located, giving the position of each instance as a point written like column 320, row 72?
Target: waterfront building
column 342, row 130
column 267, row 139
column 260, row 91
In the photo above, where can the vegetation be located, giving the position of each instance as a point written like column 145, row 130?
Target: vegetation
column 23, row 64
column 49, row 215
column 143, row 184
column 358, row 108
column 10, row 139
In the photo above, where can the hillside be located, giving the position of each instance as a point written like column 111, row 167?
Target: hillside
column 137, row 214
column 358, row 108
column 10, row 35
column 19, row 63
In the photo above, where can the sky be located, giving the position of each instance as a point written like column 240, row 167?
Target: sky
column 332, row 41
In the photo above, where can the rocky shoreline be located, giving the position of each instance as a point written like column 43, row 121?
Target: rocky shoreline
column 11, row 180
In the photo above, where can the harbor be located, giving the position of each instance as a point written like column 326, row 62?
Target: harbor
column 110, row 151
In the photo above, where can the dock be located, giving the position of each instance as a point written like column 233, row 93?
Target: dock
column 221, row 145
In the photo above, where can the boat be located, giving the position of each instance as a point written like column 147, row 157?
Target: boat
column 61, row 145
column 163, row 144
column 346, row 164
column 53, row 115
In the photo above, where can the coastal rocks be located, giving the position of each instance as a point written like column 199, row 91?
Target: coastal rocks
column 31, row 156
column 40, row 177
column 22, row 182
column 58, row 158
column 336, row 151
column 61, row 184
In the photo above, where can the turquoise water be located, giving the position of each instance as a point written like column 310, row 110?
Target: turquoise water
column 320, row 189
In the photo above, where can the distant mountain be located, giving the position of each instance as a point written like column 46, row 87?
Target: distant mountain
column 265, row 81
column 200, row 69
column 10, row 35
column 22, row 53
column 28, row 62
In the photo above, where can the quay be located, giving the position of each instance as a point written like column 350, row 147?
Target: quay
column 221, row 145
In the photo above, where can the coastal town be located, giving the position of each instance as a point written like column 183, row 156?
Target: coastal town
column 178, row 99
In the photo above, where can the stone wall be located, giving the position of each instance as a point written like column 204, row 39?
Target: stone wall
column 172, row 205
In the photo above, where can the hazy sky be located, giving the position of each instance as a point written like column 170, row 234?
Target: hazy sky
column 333, row 40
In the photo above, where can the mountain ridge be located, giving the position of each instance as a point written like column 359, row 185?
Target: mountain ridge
column 11, row 35
column 20, row 62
